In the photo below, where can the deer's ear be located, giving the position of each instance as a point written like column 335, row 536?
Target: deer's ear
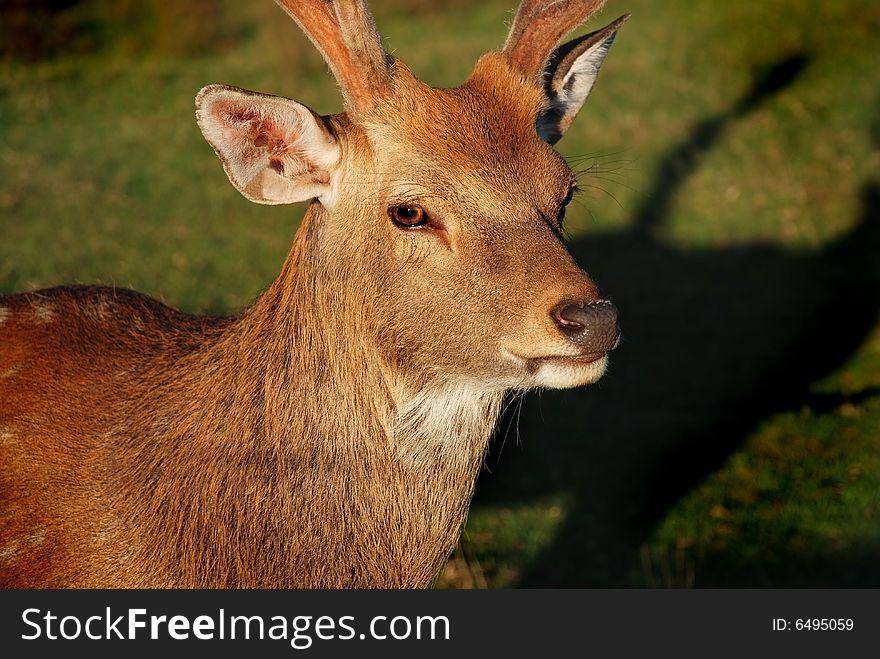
column 570, row 76
column 274, row 150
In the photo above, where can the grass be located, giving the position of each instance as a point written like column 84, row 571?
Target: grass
column 731, row 209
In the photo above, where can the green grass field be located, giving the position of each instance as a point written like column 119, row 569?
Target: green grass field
column 730, row 162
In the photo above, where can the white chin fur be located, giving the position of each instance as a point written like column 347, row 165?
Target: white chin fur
column 565, row 375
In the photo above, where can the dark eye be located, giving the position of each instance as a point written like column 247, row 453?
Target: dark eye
column 408, row 216
column 560, row 217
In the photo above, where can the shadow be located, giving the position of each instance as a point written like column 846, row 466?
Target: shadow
column 715, row 340
column 682, row 161
column 857, row 568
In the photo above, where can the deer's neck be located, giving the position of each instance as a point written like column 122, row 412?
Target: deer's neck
column 347, row 473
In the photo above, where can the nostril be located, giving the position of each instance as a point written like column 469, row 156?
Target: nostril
column 568, row 320
column 593, row 327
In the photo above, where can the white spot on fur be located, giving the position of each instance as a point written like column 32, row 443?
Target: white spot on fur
column 9, row 372
column 6, row 435
column 109, row 530
column 43, row 311
column 450, row 424
column 99, row 310
column 8, row 553
column 5, row 313
column 36, row 538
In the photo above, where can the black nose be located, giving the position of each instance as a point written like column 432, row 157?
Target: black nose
column 593, row 327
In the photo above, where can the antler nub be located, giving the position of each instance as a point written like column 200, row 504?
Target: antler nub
column 345, row 33
column 540, row 25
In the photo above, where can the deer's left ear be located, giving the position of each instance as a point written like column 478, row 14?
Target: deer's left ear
column 570, row 76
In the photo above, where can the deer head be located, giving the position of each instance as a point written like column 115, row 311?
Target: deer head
column 435, row 231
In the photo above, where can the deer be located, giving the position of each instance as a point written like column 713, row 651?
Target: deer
column 330, row 435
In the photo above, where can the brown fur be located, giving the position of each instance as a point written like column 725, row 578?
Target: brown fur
column 330, row 436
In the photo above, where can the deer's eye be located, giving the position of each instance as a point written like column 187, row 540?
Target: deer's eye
column 560, row 216
column 408, row 216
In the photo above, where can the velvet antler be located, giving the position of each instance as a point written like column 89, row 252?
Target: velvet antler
column 345, row 33
column 540, row 25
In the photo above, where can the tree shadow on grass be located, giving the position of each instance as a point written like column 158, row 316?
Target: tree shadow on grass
column 715, row 340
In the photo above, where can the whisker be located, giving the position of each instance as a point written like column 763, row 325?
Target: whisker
column 601, row 189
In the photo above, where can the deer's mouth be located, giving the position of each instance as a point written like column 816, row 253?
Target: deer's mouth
column 564, row 371
column 576, row 360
